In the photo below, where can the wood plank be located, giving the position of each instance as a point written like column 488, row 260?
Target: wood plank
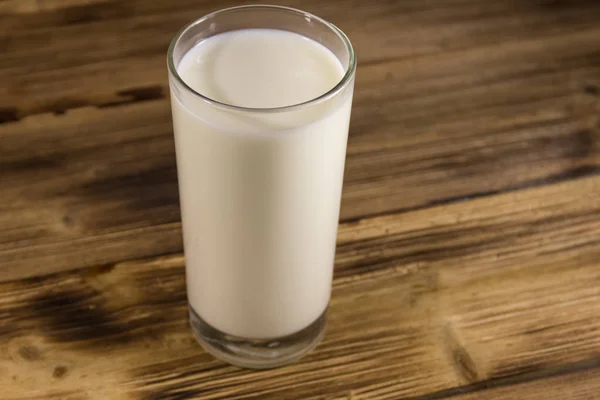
column 58, row 51
column 449, row 297
column 137, row 311
column 583, row 385
column 76, row 190
column 107, row 180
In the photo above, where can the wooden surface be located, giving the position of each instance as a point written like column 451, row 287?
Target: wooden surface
column 468, row 263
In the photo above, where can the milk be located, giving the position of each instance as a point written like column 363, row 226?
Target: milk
column 260, row 190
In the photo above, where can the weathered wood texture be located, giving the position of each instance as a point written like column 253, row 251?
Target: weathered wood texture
column 453, row 100
column 465, row 295
column 468, row 259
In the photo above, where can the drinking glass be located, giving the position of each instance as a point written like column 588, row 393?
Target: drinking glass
column 260, row 193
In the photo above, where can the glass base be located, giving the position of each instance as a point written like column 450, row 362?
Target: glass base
column 257, row 353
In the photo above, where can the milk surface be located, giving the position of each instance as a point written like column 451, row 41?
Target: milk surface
column 260, row 190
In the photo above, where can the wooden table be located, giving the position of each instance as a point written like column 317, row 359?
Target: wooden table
column 468, row 260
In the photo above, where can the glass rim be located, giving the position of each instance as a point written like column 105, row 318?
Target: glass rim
column 339, row 87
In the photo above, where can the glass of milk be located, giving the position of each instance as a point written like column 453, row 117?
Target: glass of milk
column 261, row 100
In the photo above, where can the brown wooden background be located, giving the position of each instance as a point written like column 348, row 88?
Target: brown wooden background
column 468, row 262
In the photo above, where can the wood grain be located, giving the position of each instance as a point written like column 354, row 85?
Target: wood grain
column 451, row 117
column 514, row 291
column 468, row 254
column 572, row 383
